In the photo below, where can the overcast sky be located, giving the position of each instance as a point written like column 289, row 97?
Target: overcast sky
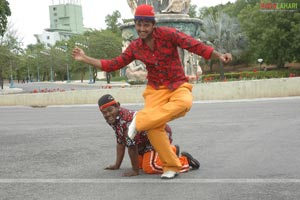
column 31, row 17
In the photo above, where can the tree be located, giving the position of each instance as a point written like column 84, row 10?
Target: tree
column 4, row 55
column 81, row 41
column 10, row 49
column 102, row 44
column 112, row 22
column 273, row 36
column 105, row 45
column 224, row 34
column 36, row 61
column 193, row 11
column 4, row 13
column 234, row 9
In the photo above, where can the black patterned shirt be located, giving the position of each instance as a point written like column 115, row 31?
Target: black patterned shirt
column 121, row 127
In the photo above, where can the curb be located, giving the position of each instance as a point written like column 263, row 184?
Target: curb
column 268, row 88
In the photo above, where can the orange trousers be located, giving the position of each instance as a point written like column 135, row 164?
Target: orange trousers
column 162, row 106
column 151, row 163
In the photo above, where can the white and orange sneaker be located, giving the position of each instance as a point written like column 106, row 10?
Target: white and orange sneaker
column 169, row 175
column 131, row 128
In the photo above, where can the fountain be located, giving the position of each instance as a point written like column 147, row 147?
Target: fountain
column 172, row 13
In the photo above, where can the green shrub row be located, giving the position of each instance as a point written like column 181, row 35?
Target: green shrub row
column 251, row 75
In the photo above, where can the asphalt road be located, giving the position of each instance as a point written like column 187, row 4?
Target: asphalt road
column 247, row 149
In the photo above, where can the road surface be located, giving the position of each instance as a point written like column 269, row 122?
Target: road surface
column 247, row 150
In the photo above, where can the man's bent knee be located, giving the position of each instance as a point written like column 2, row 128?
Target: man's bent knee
column 186, row 103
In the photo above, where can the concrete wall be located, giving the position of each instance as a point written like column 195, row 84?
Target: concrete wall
column 268, row 88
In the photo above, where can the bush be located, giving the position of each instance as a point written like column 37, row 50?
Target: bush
column 252, row 75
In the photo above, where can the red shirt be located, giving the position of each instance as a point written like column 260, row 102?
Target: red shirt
column 163, row 63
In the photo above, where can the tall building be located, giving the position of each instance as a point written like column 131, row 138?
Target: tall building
column 65, row 21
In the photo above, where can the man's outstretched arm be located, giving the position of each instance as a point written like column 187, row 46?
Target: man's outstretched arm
column 79, row 55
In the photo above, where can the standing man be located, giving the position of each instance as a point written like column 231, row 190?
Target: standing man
column 168, row 94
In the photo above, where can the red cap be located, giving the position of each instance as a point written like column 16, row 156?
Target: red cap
column 144, row 12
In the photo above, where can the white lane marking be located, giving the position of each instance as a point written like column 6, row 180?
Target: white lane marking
column 158, row 180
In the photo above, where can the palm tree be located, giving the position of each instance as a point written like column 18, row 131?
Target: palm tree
column 224, row 34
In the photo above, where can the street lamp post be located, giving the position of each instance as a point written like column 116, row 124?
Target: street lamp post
column 90, row 68
column 28, row 76
column 68, row 73
column 51, row 73
column 90, row 75
column 38, row 73
column 11, row 76
column 38, row 68
column 51, row 67
column 15, row 50
column 260, row 60
column 64, row 49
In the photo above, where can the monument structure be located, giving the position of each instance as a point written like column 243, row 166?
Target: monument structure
column 172, row 13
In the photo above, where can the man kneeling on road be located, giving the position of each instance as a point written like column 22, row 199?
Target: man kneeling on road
column 141, row 152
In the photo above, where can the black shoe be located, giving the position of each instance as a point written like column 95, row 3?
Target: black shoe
column 177, row 149
column 195, row 164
